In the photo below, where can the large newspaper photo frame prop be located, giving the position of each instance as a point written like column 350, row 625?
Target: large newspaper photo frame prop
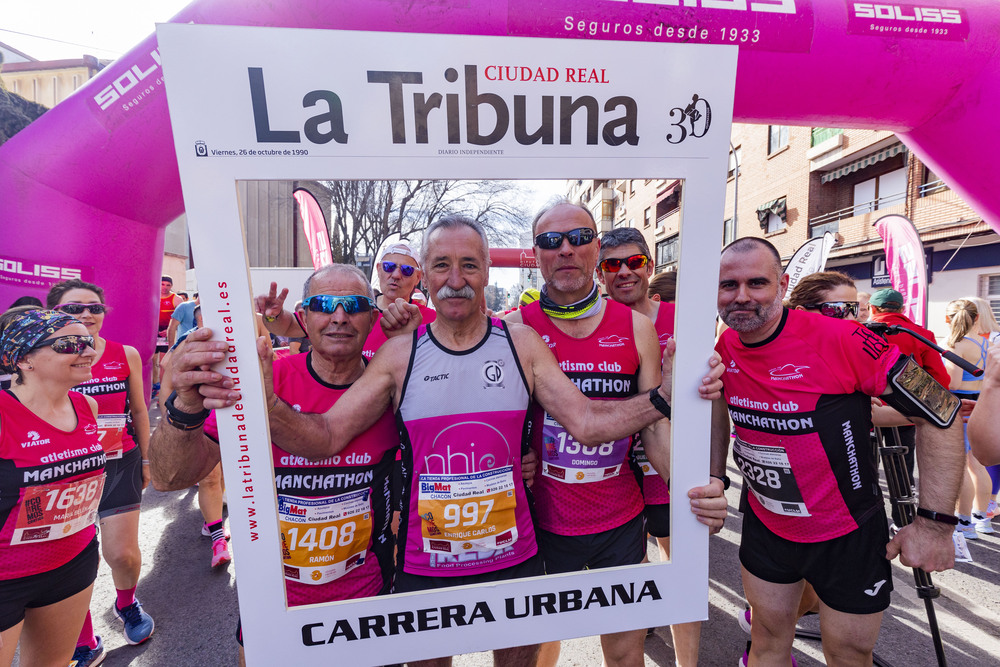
column 240, row 104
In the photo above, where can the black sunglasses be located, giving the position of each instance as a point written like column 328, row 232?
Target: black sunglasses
column 67, row 344
column 614, row 264
column 77, row 308
column 577, row 237
column 327, row 303
column 838, row 309
column 405, row 269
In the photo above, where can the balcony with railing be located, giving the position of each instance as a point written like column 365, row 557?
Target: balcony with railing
column 861, row 214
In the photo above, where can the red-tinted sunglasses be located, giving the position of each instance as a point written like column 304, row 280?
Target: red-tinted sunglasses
column 614, row 264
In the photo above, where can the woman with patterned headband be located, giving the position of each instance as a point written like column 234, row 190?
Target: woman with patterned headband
column 123, row 427
column 51, row 477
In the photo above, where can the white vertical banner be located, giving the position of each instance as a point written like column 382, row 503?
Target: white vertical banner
column 809, row 258
column 361, row 105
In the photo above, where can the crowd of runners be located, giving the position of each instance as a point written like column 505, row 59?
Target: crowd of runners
column 567, row 401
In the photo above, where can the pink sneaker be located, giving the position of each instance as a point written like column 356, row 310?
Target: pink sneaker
column 220, row 553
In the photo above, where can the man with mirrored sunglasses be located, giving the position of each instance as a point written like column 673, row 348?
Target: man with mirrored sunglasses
column 338, row 311
column 586, row 517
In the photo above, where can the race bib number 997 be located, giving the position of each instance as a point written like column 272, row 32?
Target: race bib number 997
column 470, row 512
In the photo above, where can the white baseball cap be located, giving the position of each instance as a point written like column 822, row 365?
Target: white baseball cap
column 400, row 248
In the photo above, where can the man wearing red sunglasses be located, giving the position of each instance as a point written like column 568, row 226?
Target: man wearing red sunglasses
column 624, row 268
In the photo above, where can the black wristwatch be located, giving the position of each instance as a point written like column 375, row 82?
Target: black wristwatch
column 658, row 402
column 184, row 421
column 940, row 517
column 726, row 482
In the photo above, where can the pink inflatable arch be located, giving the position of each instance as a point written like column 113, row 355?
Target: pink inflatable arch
column 90, row 186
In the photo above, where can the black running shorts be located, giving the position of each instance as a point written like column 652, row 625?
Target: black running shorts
column 850, row 573
column 45, row 588
column 624, row 545
column 123, row 486
column 406, row 583
column 657, row 520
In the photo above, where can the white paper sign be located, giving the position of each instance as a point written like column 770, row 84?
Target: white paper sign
column 284, row 104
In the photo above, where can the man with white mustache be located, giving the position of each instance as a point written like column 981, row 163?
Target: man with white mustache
column 461, row 388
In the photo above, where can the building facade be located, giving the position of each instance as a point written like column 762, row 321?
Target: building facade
column 47, row 82
column 795, row 183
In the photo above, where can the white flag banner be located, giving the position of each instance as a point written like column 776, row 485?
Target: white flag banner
column 809, row 258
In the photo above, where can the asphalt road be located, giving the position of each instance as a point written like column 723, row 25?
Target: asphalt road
column 195, row 608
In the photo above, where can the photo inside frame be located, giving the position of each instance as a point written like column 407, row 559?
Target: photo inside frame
column 285, row 224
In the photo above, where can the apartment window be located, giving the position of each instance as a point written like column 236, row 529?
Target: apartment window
column 55, row 91
column 777, row 138
column 34, row 90
column 631, row 188
column 931, row 183
column 607, row 209
column 989, row 289
column 879, row 192
column 76, row 81
column 647, row 217
column 17, row 86
column 734, row 161
column 728, row 231
column 667, row 252
column 772, row 215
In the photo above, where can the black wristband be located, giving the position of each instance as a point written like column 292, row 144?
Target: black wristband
column 184, row 421
column 726, row 482
column 658, row 402
column 940, row 517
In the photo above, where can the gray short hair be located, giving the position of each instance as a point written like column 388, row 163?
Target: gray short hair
column 348, row 269
column 454, row 222
column 558, row 201
column 624, row 236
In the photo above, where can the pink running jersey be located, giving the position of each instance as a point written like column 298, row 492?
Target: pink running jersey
column 463, row 417
column 377, row 337
column 50, row 488
column 800, row 403
column 654, row 489
column 109, row 387
column 584, row 490
column 334, row 513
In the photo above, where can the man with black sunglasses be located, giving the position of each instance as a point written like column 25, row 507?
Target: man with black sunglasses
column 586, row 517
